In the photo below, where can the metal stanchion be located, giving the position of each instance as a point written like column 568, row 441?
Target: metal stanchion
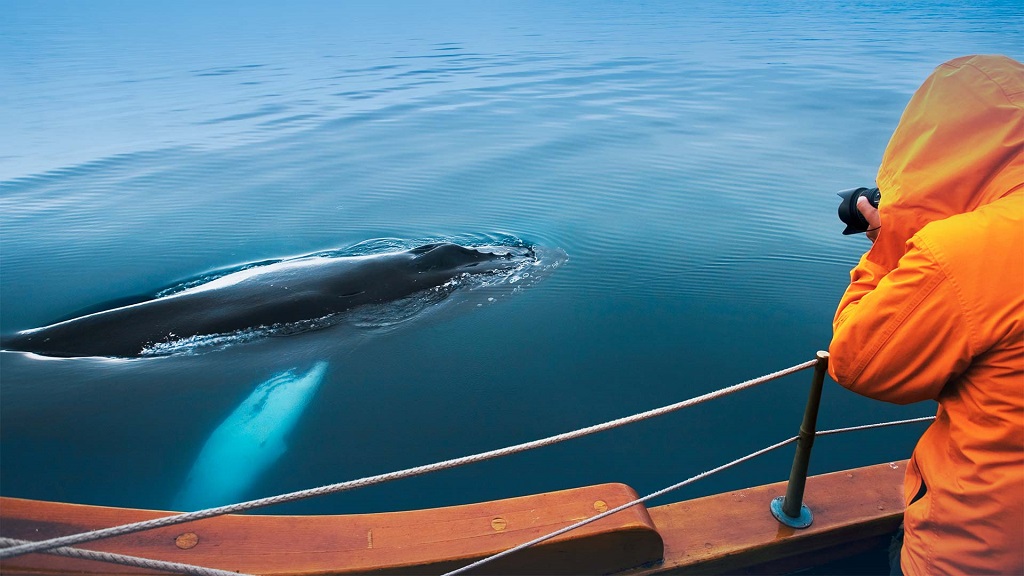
column 789, row 509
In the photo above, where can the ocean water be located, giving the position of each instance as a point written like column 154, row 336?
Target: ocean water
column 682, row 155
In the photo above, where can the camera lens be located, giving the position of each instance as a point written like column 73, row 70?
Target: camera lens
column 848, row 212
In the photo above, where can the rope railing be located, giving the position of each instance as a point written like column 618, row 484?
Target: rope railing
column 620, row 508
column 124, row 560
column 664, row 491
column 43, row 545
column 879, row 425
column 203, row 571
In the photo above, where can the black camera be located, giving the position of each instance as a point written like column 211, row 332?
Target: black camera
column 848, row 212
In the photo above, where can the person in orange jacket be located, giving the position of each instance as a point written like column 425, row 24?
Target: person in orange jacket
column 935, row 311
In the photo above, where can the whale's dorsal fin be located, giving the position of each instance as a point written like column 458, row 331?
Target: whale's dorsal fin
column 424, row 249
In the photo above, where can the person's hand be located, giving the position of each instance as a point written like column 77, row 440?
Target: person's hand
column 870, row 214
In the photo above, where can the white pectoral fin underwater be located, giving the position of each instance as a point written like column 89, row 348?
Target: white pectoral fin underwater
column 250, row 440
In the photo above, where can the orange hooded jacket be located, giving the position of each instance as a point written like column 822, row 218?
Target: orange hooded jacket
column 935, row 311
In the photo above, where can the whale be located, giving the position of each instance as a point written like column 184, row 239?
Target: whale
column 249, row 441
column 281, row 298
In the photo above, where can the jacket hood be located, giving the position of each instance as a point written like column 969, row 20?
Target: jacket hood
column 959, row 145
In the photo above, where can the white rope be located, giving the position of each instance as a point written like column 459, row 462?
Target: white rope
column 370, row 480
column 112, row 558
column 664, row 491
column 870, row 426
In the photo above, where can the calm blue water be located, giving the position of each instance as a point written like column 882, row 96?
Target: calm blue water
column 683, row 155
